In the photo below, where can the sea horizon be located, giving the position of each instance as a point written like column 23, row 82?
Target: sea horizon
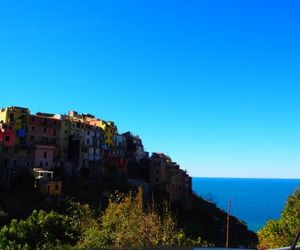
column 264, row 178
column 252, row 198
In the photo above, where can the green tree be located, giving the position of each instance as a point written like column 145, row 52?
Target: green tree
column 280, row 233
column 41, row 230
column 83, row 218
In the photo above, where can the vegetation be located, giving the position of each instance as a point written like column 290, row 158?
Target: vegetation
column 101, row 220
column 280, row 233
column 41, row 230
column 125, row 223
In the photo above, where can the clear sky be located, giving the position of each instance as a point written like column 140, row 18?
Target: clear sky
column 213, row 84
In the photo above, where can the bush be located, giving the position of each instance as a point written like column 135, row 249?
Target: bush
column 126, row 223
column 41, row 230
column 280, row 233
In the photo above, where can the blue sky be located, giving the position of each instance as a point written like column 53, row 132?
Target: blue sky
column 214, row 84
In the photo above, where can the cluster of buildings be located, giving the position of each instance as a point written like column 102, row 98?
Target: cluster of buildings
column 43, row 142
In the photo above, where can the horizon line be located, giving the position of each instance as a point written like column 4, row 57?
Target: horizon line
column 227, row 177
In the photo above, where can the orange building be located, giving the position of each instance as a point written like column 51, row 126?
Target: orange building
column 166, row 174
column 45, row 184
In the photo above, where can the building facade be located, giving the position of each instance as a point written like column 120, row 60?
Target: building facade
column 18, row 118
column 81, row 142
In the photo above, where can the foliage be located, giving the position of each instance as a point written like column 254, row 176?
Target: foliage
column 81, row 216
column 84, row 220
column 127, row 223
column 39, row 231
column 280, row 233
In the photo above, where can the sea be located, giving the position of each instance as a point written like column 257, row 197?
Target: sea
column 254, row 201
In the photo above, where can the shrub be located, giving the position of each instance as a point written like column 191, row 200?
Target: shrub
column 280, row 233
column 41, row 230
column 127, row 223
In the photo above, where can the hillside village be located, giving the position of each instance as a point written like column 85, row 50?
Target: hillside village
column 80, row 144
column 47, row 159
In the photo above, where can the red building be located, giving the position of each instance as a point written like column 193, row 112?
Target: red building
column 44, row 137
column 7, row 134
column 43, row 129
column 115, row 161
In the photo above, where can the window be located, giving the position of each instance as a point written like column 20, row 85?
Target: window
column 46, row 164
column 45, row 130
column 56, row 187
column 32, row 118
column 22, row 140
column 5, row 150
column 32, row 138
column 33, row 128
column 7, row 138
column 66, row 131
column 41, row 164
column 11, row 117
column 24, row 119
column 54, row 132
column 88, row 141
column 45, row 155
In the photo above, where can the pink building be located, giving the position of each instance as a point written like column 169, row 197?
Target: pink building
column 7, row 134
column 44, row 156
column 44, row 129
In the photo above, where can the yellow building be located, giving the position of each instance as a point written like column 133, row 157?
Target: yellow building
column 77, row 124
column 65, row 132
column 109, row 130
column 18, row 117
column 82, row 121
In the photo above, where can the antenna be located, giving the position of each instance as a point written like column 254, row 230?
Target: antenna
column 228, row 221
